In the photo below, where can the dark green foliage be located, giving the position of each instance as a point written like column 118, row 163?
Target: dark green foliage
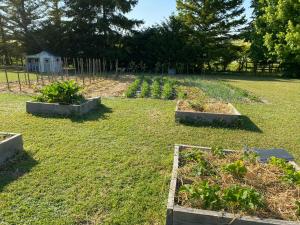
column 237, row 169
column 207, row 194
column 145, row 91
column 67, row 92
column 241, row 198
column 275, row 33
column 210, row 25
column 155, row 89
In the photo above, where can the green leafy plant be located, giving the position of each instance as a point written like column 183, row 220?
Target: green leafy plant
column 218, row 151
column 133, row 88
column 168, row 91
column 67, row 92
column 250, row 157
column 190, row 156
column 290, row 174
column 145, row 91
column 237, row 169
column 281, row 163
column 208, row 195
column 203, row 168
column 155, row 89
column 242, row 198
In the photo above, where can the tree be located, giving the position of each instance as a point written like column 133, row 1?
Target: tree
column 24, row 17
column 212, row 25
column 277, row 29
column 96, row 28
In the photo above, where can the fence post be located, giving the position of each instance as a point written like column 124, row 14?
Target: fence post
column 7, row 79
column 19, row 82
column 28, row 79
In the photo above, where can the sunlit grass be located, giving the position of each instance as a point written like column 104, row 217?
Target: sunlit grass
column 114, row 166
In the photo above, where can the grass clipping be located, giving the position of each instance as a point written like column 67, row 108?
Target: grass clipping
column 280, row 199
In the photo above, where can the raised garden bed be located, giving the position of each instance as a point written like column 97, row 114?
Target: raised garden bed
column 219, row 187
column 210, row 113
column 42, row 108
column 10, row 145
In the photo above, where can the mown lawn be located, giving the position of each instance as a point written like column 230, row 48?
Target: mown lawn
column 13, row 76
column 114, row 166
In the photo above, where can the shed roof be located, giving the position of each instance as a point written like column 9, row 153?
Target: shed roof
column 41, row 54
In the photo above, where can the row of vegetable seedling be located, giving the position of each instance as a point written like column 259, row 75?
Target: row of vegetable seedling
column 158, row 88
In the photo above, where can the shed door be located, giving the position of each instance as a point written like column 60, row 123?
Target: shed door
column 47, row 65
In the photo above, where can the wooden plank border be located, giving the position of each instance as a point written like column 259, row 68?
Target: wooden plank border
column 207, row 117
column 177, row 215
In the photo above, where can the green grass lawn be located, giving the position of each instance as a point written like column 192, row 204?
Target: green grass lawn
column 114, row 166
column 13, row 76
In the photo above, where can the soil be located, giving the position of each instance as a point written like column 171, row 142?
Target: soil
column 99, row 86
column 279, row 196
column 212, row 107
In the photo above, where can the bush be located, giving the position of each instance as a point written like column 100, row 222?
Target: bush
column 155, row 90
column 168, row 91
column 132, row 89
column 145, row 92
column 67, row 92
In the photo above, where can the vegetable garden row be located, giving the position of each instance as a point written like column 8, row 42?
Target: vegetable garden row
column 158, row 88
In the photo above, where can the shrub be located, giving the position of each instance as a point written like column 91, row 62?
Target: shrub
column 145, row 92
column 242, row 198
column 132, row 89
column 236, row 169
column 168, row 91
column 67, row 92
column 155, row 89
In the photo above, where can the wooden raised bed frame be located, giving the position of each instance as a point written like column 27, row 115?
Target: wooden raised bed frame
column 42, row 108
column 207, row 117
column 178, row 215
column 10, row 146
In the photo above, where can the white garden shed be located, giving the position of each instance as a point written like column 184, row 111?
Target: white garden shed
column 44, row 62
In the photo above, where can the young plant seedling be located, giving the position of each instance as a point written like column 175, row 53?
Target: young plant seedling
column 236, row 169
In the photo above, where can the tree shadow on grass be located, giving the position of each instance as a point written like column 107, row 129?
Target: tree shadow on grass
column 15, row 168
column 99, row 113
column 244, row 123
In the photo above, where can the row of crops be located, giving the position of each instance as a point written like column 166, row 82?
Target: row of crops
column 158, row 88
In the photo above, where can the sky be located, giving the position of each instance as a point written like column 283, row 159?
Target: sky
column 155, row 11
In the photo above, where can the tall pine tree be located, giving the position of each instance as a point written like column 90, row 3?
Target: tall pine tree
column 96, row 27
column 212, row 25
